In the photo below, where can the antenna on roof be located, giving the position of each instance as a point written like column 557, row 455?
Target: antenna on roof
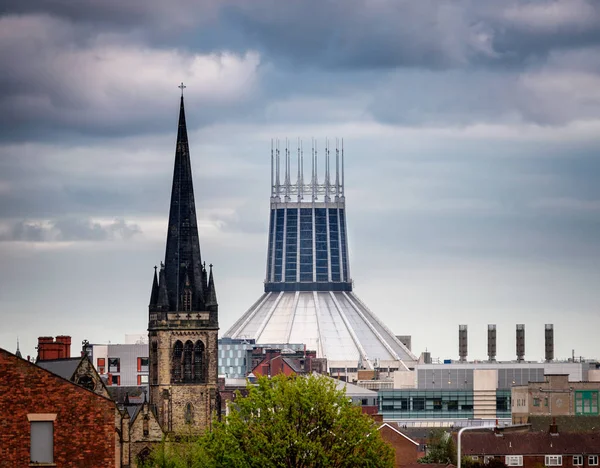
column 287, row 171
column 272, row 172
column 299, row 182
column 316, row 183
column 342, row 186
column 277, row 168
column 327, row 188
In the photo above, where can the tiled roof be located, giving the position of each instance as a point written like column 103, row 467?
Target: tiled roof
column 566, row 423
column 531, row 443
column 64, row 368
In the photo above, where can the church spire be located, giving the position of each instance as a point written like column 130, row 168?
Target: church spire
column 18, row 353
column 182, row 254
column 154, row 293
column 212, row 292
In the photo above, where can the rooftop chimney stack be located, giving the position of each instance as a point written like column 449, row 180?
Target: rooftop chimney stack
column 462, row 343
column 49, row 348
column 549, row 342
column 520, row 342
column 492, row 343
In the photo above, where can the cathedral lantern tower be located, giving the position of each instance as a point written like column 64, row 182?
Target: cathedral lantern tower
column 183, row 313
column 308, row 290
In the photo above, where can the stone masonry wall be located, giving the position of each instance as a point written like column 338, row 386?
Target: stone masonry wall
column 171, row 399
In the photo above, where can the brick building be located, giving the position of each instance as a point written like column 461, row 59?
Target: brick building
column 269, row 361
column 407, row 451
column 534, row 449
column 556, row 396
column 48, row 419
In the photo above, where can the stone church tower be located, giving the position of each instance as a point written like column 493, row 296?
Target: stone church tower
column 183, row 313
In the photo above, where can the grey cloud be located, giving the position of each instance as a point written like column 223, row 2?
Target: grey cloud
column 419, row 63
column 428, row 34
column 69, row 230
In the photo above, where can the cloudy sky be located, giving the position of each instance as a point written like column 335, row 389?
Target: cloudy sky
column 472, row 136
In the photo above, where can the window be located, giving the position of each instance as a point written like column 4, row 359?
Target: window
column 593, row 460
column 87, row 382
column 553, row 460
column 101, row 365
column 41, row 438
column 546, row 401
column 199, row 362
column 115, row 380
column 177, row 354
column 188, row 352
column 114, row 365
column 418, row 404
column 577, row 460
column 142, row 363
column 154, row 354
column 514, row 460
column 536, row 402
column 187, row 300
column 586, row 402
column 142, row 379
column 146, row 425
column 189, row 414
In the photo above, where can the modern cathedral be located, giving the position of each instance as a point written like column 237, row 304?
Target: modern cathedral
column 183, row 313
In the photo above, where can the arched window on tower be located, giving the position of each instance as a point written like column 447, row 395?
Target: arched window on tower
column 188, row 352
column 189, row 414
column 154, row 362
column 187, row 299
column 199, row 362
column 177, row 357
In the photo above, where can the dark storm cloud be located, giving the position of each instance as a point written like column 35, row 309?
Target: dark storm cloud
column 354, row 34
column 69, row 230
column 72, row 70
column 426, row 34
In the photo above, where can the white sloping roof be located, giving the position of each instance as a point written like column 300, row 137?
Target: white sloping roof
column 334, row 323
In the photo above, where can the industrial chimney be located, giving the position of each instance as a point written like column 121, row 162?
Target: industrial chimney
column 462, row 343
column 492, row 343
column 520, row 342
column 549, row 342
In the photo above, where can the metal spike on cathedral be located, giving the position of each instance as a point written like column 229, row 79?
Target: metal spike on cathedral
column 308, row 291
column 183, row 312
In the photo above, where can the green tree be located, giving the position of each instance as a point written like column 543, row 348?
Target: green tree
column 440, row 448
column 298, row 421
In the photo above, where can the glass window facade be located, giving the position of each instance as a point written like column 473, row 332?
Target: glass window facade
column 306, row 244
column 503, row 404
column 322, row 264
column 291, row 248
column 407, row 404
column 270, row 252
column 344, row 245
column 334, row 244
column 279, row 244
column 436, row 404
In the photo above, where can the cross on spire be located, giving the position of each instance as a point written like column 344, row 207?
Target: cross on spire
column 182, row 87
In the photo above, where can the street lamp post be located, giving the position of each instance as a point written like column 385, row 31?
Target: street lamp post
column 459, row 452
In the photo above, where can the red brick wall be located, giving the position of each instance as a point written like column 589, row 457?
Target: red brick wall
column 406, row 451
column 84, row 429
column 536, row 461
column 49, row 349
